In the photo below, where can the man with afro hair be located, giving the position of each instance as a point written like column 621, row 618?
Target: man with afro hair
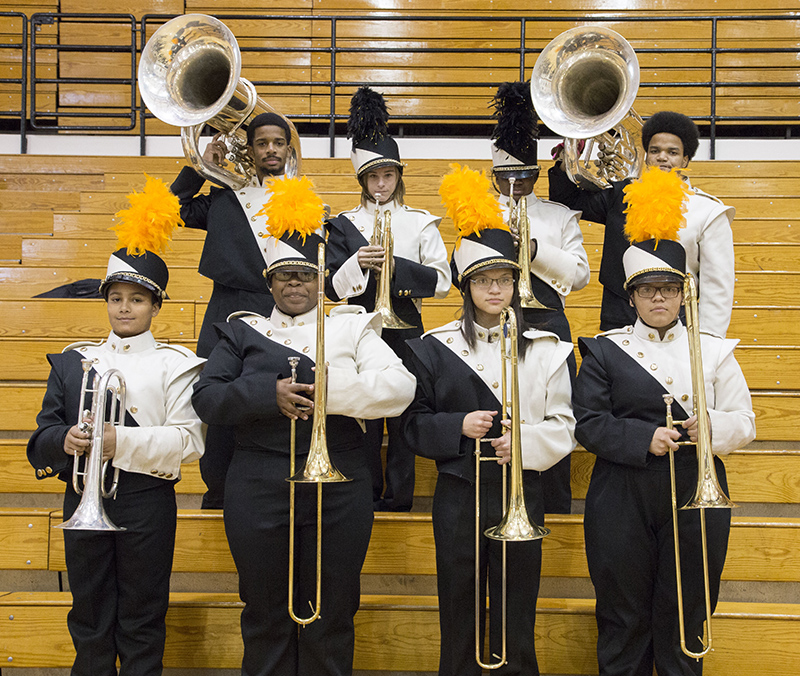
column 670, row 141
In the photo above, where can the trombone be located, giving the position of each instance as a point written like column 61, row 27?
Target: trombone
column 515, row 525
column 318, row 468
column 382, row 236
column 708, row 493
column 521, row 226
column 90, row 513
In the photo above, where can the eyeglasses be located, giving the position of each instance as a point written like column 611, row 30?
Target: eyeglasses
column 486, row 282
column 667, row 292
column 302, row 275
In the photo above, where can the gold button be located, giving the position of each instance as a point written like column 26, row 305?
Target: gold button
column 465, row 352
column 48, row 470
column 260, row 234
column 479, row 367
column 269, row 333
column 301, row 324
column 306, row 349
column 161, row 474
column 134, row 409
column 449, row 340
column 640, row 354
column 629, row 329
column 247, row 205
column 495, row 335
column 651, row 336
column 253, row 322
column 96, row 360
column 83, row 349
column 113, row 346
column 481, row 334
column 169, row 476
column 287, row 342
column 253, row 218
column 670, row 336
column 684, row 397
column 283, row 324
column 39, row 472
column 126, row 347
column 495, row 384
column 153, row 471
column 552, row 281
column 654, row 367
column 243, row 193
column 669, row 380
column 626, row 342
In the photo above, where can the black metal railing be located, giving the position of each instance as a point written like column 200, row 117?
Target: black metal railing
column 125, row 35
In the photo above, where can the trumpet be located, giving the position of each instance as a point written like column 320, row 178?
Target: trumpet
column 189, row 76
column 708, row 493
column 521, row 226
column 382, row 236
column 515, row 526
column 90, row 513
column 318, row 467
column 583, row 86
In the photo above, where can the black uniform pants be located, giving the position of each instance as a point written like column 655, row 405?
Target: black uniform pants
column 257, row 526
column 120, row 584
column 630, row 550
column 220, row 439
column 454, row 533
column 398, row 494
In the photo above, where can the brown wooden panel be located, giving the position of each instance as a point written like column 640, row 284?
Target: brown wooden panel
column 45, row 183
column 185, row 283
column 98, row 226
column 83, row 319
column 770, row 368
column 135, row 7
column 96, row 252
column 27, row 222
column 24, row 539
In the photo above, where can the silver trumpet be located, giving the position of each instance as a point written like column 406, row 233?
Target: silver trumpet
column 90, row 513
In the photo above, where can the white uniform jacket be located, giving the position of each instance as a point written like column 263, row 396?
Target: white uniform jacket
column 560, row 260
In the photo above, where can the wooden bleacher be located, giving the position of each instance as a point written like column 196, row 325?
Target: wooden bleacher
column 424, row 85
column 53, row 229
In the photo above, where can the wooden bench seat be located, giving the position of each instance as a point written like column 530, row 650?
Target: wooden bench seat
column 397, row 633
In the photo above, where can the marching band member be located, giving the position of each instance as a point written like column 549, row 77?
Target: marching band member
column 420, row 270
column 458, row 371
column 233, row 257
column 558, row 261
column 670, row 140
column 248, row 384
column 621, row 417
column 120, row 579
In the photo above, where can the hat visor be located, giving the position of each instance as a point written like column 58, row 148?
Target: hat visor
column 127, row 278
column 516, row 173
column 655, row 277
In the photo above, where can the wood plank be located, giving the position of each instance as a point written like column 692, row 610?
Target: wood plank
column 55, row 252
column 26, row 222
column 24, row 539
column 25, row 282
column 400, row 633
column 770, row 368
column 83, row 319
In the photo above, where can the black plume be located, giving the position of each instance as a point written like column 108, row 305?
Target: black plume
column 516, row 124
column 368, row 116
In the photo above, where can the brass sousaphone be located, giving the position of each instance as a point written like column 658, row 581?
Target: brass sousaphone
column 583, row 86
column 189, row 76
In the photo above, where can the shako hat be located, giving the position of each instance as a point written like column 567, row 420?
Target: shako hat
column 368, row 128
column 295, row 214
column 483, row 240
column 143, row 231
column 656, row 205
column 515, row 136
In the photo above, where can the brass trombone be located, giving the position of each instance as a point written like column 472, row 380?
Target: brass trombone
column 90, row 513
column 515, row 525
column 382, row 236
column 318, row 468
column 708, row 493
column 521, row 226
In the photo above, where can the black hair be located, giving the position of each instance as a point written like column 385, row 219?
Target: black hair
column 468, row 322
column 399, row 190
column 668, row 122
column 268, row 119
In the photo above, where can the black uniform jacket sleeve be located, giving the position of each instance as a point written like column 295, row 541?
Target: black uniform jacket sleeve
column 618, row 405
column 447, row 389
column 234, row 389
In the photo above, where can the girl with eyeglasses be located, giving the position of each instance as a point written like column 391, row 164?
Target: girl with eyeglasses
column 458, row 402
column 621, row 418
